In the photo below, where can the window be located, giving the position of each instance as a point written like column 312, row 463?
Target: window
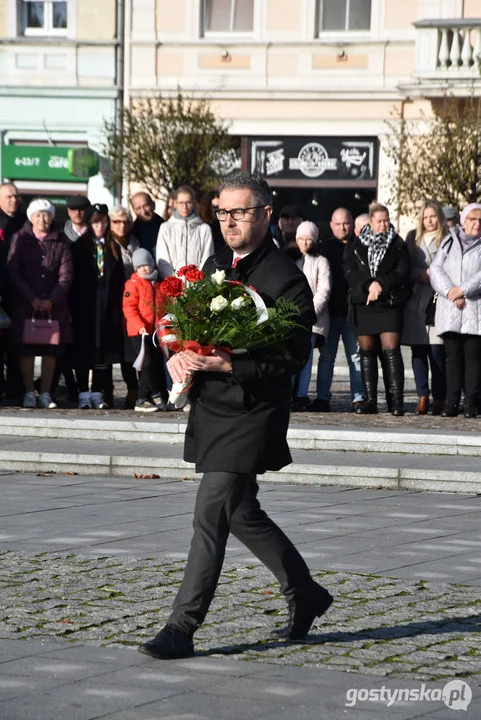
column 228, row 16
column 44, row 17
column 344, row 15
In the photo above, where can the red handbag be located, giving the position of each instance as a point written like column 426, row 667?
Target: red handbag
column 41, row 331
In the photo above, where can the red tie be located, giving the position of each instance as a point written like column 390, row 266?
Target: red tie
column 236, row 260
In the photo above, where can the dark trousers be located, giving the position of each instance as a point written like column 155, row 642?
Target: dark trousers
column 227, row 502
column 11, row 382
column 152, row 382
column 433, row 356
column 463, row 368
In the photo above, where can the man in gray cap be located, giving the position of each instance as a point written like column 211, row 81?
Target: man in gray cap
column 76, row 225
column 451, row 215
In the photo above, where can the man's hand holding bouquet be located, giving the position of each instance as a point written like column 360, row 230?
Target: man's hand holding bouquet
column 210, row 318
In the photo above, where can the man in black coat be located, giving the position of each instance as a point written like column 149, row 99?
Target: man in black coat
column 237, row 428
column 147, row 222
column 12, row 219
column 339, row 325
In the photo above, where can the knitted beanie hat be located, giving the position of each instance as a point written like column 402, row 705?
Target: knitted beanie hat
column 307, row 229
column 142, row 257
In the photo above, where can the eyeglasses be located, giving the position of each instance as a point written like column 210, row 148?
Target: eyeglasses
column 235, row 213
column 473, row 220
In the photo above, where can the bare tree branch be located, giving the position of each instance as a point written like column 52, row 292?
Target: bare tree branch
column 436, row 157
column 164, row 143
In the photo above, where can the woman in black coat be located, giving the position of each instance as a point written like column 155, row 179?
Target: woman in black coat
column 377, row 268
column 96, row 309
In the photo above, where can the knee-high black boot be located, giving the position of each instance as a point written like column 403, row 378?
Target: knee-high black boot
column 369, row 374
column 395, row 374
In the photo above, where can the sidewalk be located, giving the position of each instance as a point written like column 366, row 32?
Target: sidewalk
column 124, row 444
column 90, row 566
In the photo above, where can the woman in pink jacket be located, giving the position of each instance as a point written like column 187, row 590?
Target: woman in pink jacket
column 316, row 269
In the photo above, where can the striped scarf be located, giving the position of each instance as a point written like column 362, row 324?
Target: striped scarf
column 100, row 257
column 377, row 245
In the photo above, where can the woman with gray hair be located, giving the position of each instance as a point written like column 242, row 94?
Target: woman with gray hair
column 41, row 272
column 455, row 275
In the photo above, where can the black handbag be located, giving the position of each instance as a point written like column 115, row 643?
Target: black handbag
column 431, row 310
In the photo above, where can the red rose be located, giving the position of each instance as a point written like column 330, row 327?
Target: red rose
column 181, row 272
column 194, row 275
column 172, row 286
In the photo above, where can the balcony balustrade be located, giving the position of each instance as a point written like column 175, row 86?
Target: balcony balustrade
column 448, row 49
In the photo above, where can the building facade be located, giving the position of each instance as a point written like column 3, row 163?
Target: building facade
column 308, row 84
column 59, row 79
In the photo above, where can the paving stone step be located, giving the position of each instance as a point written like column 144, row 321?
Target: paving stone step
column 310, row 467
column 164, row 429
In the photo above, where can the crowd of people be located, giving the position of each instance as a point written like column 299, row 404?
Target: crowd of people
column 83, row 295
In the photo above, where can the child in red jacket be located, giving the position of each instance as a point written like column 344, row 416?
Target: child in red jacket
column 143, row 306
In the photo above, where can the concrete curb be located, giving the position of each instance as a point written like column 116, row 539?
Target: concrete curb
column 172, row 433
column 296, row 474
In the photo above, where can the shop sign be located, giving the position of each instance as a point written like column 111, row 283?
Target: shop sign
column 326, row 158
column 39, row 162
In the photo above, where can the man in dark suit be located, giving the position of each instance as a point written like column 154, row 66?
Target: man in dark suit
column 237, row 428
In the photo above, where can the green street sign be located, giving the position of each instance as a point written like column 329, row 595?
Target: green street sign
column 39, row 162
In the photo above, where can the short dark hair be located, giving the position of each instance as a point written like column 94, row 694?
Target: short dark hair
column 251, row 181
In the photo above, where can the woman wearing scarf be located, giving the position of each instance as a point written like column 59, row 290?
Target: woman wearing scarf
column 96, row 309
column 127, row 244
column 427, row 348
column 377, row 268
column 455, row 275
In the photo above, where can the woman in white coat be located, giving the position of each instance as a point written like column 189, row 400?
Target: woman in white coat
column 427, row 348
column 455, row 275
column 316, row 269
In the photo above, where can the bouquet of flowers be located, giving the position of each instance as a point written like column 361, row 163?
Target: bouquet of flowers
column 203, row 314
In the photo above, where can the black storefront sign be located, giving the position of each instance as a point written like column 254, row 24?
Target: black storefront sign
column 312, row 158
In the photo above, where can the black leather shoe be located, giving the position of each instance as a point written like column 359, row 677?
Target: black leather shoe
column 301, row 404
column 470, row 411
column 169, row 644
column 369, row 407
column 450, row 411
column 321, row 405
column 397, row 409
column 303, row 610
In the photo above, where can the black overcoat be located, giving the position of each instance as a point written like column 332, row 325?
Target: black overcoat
column 238, row 422
column 393, row 274
column 97, row 317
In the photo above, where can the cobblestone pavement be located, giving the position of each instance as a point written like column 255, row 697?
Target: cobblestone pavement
column 378, row 625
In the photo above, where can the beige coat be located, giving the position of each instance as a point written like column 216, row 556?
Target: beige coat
column 318, row 274
column 415, row 330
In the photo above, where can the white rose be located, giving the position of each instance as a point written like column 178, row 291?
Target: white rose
column 238, row 303
column 218, row 278
column 218, row 304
